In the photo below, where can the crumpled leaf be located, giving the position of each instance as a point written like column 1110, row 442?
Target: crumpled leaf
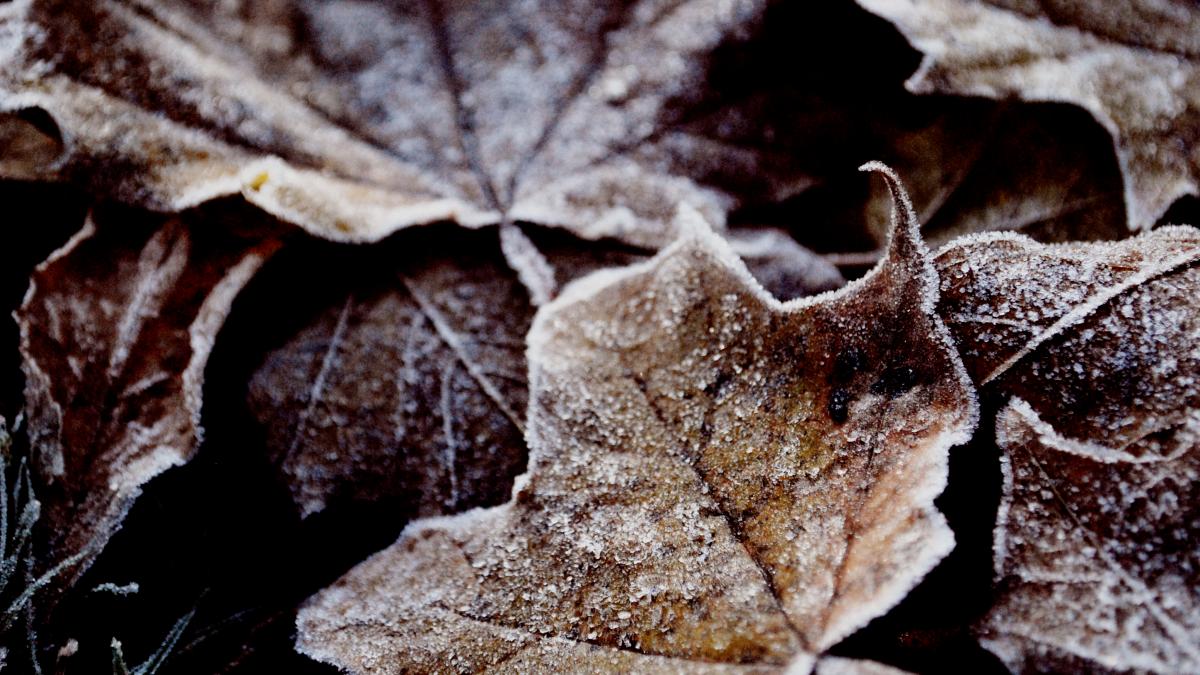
column 410, row 380
column 115, row 331
column 1095, row 540
column 354, row 119
column 717, row 482
column 1135, row 66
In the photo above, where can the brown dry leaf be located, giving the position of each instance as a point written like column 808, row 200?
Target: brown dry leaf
column 115, row 331
column 717, row 482
column 1095, row 542
column 1134, row 65
column 965, row 176
column 354, row 119
column 410, row 381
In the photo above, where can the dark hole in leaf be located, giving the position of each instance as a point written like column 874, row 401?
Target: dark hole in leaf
column 839, row 405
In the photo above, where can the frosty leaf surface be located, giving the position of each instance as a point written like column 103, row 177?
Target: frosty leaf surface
column 116, row 329
column 356, row 118
column 410, row 380
column 1095, row 553
column 717, row 481
column 1095, row 541
column 1134, row 65
column 1093, row 335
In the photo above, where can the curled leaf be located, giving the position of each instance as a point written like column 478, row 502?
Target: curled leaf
column 717, row 481
column 1135, row 66
column 115, row 331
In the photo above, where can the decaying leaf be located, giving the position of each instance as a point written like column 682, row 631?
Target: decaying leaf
column 353, row 119
column 717, row 481
column 410, row 382
column 965, row 177
column 115, row 331
column 1134, row 65
column 1095, row 542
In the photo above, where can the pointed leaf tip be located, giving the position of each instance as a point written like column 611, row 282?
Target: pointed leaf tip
column 904, row 216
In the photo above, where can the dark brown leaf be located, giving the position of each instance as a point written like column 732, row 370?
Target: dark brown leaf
column 115, row 332
column 354, row 119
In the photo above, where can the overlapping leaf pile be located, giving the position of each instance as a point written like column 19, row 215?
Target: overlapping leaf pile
column 566, row 320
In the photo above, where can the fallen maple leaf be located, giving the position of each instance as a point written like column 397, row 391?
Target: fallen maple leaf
column 116, row 328
column 1095, row 552
column 411, row 380
column 1135, row 66
column 354, row 119
column 716, row 480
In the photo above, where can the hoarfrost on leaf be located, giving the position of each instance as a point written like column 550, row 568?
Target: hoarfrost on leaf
column 116, row 329
column 1135, row 66
column 1095, row 557
column 356, row 118
column 717, row 481
column 1099, row 337
column 1097, row 346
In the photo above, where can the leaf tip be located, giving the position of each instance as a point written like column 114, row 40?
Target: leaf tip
column 906, row 229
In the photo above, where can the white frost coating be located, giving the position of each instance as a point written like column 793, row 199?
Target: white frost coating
column 1050, row 437
column 1134, row 66
column 1083, row 310
column 837, row 665
column 535, row 272
column 1092, row 543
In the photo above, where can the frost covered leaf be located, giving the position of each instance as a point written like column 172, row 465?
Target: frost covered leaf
column 1096, row 552
column 717, row 482
column 410, row 380
column 115, row 331
column 357, row 118
column 1095, row 542
column 1135, row 66
column 1023, row 313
